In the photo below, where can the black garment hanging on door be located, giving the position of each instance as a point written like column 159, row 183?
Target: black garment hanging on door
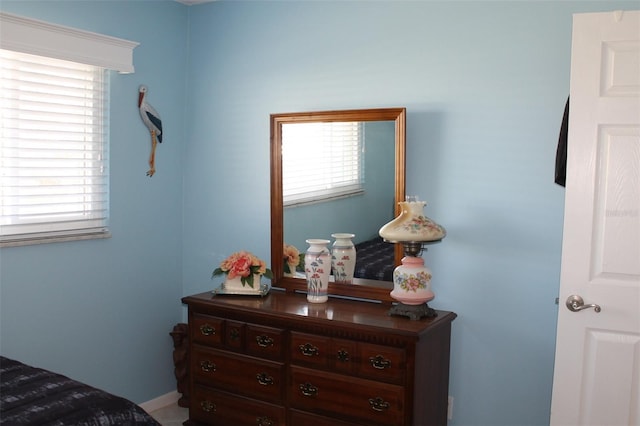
column 561, row 151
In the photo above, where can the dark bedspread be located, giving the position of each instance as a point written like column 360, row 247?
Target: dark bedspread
column 375, row 260
column 33, row 396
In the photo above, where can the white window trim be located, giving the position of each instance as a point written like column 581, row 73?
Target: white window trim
column 41, row 38
column 55, row 239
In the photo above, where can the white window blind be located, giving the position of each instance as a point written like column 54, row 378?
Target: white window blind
column 321, row 161
column 53, row 148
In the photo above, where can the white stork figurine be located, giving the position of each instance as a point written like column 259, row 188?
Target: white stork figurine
column 152, row 120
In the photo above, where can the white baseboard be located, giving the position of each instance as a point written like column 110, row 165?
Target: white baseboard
column 160, row 402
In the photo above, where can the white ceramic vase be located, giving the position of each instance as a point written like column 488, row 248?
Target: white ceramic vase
column 343, row 258
column 317, row 267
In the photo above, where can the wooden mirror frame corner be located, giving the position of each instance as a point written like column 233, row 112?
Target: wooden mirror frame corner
column 361, row 288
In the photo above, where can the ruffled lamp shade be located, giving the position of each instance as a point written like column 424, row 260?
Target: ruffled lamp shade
column 412, row 225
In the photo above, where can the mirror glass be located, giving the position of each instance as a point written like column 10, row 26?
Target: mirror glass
column 359, row 209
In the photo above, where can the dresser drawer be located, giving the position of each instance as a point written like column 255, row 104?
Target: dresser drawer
column 343, row 356
column 234, row 333
column 238, row 373
column 209, row 406
column 265, row 342
column 310, row 350
column 347, row 398
column 381, row 362
column 206, row 329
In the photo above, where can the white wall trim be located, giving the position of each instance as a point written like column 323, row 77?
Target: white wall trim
column 160, row 402
column 41, row 38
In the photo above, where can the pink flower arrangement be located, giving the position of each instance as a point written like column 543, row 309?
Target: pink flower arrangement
column 291, row 258
column 244, row 265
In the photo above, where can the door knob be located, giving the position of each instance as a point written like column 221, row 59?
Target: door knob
column 575, row 303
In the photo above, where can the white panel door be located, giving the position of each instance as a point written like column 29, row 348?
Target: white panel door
column 597, row 367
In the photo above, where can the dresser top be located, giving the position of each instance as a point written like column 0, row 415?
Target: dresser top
column 294, row 306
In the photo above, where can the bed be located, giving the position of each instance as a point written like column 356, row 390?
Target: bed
column 375, row 260
column 34, row 396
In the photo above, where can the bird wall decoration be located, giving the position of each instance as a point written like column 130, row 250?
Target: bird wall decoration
column 152, row 120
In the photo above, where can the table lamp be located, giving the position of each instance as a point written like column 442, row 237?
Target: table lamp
column 412, row 280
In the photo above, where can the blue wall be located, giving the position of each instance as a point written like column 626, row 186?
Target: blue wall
column 101, row 311
column 484, row 84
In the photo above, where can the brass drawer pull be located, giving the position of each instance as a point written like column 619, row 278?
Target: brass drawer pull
column 379, row 362
column 207, row 366
column 264, row 341
column 264, row 379
column 343, row 355
column 207, row 330
column 308, row 389
column 208, row 406
column 378, row 404
column 309, row 350
column 264, row 421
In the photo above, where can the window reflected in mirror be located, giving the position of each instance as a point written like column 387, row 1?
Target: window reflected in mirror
column 350, row 189
column 322, row 161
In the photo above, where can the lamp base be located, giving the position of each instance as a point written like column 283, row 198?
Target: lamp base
column 414, row 312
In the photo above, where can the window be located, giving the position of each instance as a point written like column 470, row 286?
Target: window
column 53, row 140
column 54, row 123
column 322, row 161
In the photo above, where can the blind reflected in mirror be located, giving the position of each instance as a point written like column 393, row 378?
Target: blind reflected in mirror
column 322, row 161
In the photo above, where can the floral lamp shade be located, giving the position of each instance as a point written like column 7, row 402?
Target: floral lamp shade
column 412, row 225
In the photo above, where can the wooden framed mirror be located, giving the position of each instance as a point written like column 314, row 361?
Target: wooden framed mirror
column 383, row 128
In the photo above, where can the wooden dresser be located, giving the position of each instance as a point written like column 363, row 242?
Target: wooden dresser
column 279, row 360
